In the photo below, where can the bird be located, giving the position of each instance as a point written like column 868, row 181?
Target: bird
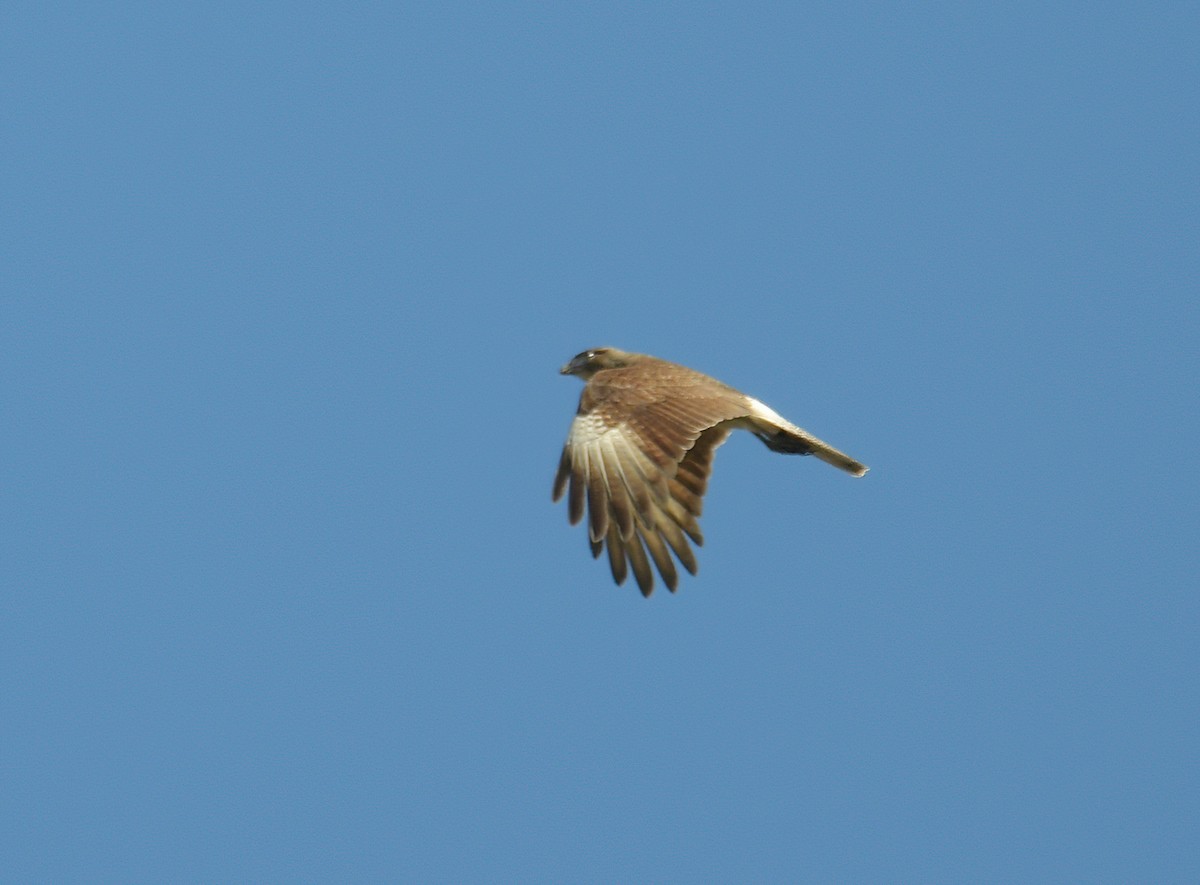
column 640, row 450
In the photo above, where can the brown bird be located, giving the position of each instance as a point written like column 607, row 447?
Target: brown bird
column 640, row 450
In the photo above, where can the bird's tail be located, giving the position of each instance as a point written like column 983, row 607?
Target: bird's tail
column 781, row 435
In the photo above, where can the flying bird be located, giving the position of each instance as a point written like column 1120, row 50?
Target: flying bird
column 641, row 448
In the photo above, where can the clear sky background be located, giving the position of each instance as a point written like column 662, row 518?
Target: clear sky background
column 285, row 290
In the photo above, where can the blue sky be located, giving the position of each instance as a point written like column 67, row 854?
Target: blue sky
column 286, row 291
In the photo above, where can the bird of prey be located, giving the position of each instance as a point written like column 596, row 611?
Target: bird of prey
column 640, row 450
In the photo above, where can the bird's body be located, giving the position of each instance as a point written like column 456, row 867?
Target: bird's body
column 640, row 450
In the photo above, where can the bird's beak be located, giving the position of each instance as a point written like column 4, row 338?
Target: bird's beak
column 570, row 368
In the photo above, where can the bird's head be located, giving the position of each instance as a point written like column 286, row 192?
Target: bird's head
column 588, row 363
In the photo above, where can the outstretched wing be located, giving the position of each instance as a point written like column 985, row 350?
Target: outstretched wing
column 638, row 458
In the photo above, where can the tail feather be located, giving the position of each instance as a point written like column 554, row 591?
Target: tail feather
column 791, row 443
column 781, row 435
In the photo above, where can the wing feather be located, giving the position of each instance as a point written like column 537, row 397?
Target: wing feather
column 618, row 486
column 597, row 497
column 640, row 488
column 674, row 537
column 662, row 559
column 575, row 498
column 639, row 563
column 616, row 556
column 563, row 475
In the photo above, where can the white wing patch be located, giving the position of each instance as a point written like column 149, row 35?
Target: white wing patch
column 588, row 429
column 762, row 410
